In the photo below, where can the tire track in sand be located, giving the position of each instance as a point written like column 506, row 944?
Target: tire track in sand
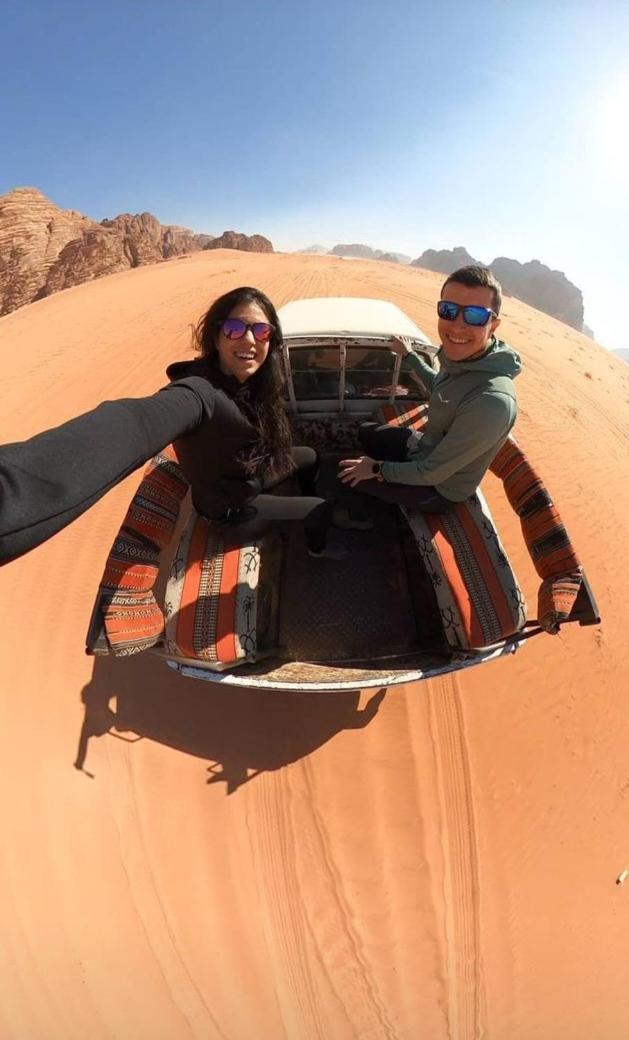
column 466, row 1001
column 290, row 849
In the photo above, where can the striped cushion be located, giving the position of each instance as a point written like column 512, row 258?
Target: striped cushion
column 132, row 618
column 477, row 592
column 546, row 537
column 211, row 597
column 544, row 533
column 479, row 598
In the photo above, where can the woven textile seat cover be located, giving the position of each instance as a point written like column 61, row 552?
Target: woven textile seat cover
column 545, row 535
column 480, row 600
column 478, row 594
column 211, row 596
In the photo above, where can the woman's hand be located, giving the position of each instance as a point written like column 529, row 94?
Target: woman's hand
column 401, row 345
column 352, row 471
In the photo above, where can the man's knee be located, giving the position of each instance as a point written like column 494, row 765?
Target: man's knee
column 382, row 441
column 366, row 433
column 305, row 457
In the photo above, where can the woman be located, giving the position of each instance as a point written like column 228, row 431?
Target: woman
column 240, row 341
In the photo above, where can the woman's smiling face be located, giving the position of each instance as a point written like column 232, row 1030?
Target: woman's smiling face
column 243, row 357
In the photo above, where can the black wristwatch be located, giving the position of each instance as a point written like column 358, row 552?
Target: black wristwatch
column 376, row 468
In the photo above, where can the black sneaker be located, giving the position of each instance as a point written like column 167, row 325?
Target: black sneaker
column 329, row 552
column 346, row 522
column 234, row 516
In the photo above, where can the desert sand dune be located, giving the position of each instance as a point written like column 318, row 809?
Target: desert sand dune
column 436, row 862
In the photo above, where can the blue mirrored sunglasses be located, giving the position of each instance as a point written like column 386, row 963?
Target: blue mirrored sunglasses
column 472, row 315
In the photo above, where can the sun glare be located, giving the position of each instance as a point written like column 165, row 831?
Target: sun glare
column 610, row 116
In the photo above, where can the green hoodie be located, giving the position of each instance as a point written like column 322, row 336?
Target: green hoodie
column 472, row 407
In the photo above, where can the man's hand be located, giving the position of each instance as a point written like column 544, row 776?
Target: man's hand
column 401, row 345
column 352, row 471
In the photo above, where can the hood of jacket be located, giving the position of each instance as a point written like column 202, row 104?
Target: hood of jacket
column 207, row 367
column 498, row 360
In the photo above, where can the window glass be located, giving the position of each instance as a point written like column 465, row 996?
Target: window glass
column 316, row 373
column 368, row 373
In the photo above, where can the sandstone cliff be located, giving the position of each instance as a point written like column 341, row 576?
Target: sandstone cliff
column 44, row 248
column 178, row 240
column 33, row 231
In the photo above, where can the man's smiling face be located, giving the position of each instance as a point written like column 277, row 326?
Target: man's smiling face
column 461, row 342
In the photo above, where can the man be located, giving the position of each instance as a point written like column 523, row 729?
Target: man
column 472, row 406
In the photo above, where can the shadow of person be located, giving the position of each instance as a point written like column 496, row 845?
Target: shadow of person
column 242, row 732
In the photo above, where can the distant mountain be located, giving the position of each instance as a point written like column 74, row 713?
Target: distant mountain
column 444, row 261
column 362, row 252
column 623, row 353
column 394, row 258
column 533, row 283
column 549, row 291
column 236, row 240
column 355, row 249
column 314, row 249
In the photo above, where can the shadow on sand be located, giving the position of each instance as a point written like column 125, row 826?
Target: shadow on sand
column 241, row 732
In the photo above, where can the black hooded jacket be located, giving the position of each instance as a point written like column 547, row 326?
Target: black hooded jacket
column 220, row 460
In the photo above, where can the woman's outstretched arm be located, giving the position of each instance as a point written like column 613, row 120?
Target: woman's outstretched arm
column 48, row 481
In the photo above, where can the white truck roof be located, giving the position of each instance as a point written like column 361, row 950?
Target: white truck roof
column 346, row 315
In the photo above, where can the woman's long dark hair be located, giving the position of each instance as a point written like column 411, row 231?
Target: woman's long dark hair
column 261, row 397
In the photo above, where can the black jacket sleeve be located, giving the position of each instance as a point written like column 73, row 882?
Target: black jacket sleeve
column 48, row 481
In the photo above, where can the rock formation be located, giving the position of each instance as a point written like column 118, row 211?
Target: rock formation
column 393, row 258
column 44, row 248
column 354, row 249
column 96, row 252
column 362, row 252
column 547, row 290
column 33, row 231
column 236, row 240
column 179, row 240
column 533, row 283
column 444, row 260
column 359, row 251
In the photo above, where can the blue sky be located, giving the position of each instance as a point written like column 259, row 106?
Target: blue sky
column 500, row 126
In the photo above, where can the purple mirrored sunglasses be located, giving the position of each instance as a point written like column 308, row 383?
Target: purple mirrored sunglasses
column 235, row 328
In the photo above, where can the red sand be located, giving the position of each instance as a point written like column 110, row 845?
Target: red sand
column 446, row 871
